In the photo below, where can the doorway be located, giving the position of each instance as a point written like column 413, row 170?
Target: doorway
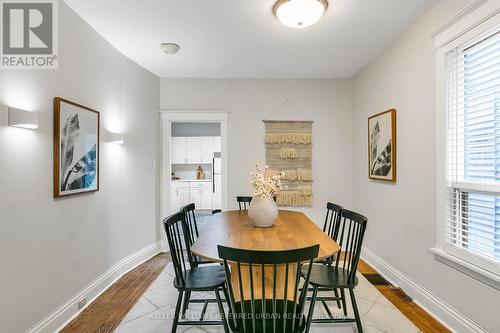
column 194, row 161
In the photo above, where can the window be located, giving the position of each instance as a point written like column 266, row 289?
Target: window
column 473, row 149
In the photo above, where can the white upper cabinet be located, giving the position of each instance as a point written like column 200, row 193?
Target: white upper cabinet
column 207, row 149
column 179, row 150
column 194, row 150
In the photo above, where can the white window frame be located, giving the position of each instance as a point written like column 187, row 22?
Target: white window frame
column 476, row 20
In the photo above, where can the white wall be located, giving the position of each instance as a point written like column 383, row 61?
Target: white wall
column 402, row 216
column 249, row 101
column 50, row 249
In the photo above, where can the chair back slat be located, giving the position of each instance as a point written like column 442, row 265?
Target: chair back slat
column 189, row 212
column 331, row 227
column 275, row 271
column 243, row 202
column 332, row 219
column 350, row 240
column 240, row 283
column 263, row 299
column 176, row 230
column 282, row 310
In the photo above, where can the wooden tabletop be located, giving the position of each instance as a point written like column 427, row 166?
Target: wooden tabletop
column 292, row 230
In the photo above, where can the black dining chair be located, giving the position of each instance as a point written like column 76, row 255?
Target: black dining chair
column 331, row 228
column 276, row 313
column 192, row 235
column 187, row 280
column 342, row 275
column 243, row 202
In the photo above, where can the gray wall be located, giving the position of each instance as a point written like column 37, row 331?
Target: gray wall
column 195, row 129
column 51, row 249
column 402, row 216
column 249, row 101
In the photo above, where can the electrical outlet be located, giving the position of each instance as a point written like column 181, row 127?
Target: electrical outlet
column 82, row 302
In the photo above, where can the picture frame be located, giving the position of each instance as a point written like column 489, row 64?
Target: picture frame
column 382, row 146
column 76, row 148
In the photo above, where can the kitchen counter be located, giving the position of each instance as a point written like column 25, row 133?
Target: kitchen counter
column 192, row 180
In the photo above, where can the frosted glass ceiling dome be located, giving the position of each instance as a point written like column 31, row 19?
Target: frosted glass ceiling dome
column 299, row 13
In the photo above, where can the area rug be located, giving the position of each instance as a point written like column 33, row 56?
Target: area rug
column 153, row 313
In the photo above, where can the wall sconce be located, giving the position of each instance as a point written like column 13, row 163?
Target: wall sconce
column 116, row 138
column 23, row 119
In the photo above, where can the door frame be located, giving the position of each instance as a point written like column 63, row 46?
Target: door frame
column 168, row 116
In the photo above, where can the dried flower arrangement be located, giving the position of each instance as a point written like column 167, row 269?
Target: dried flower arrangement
column 264, row 186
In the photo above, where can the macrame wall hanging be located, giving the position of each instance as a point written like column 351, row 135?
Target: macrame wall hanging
column 288, row 150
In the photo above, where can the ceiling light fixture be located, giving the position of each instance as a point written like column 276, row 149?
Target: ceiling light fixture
column 170, row 48
column 299, row 13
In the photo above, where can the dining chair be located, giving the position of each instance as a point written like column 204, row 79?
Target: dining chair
column 342, row 275
column 192, row 231
column 192, row 235
column 243, row 202
column 331, row 227
column 192, row 279
column 273, row 311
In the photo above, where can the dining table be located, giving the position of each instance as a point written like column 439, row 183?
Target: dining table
column 291, row 230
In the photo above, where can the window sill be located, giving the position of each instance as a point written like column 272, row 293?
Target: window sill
column 467, row 268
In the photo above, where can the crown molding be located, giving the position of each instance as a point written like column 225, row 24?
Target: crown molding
column 457, row 17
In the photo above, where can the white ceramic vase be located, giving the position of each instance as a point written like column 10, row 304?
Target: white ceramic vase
column 263, row 212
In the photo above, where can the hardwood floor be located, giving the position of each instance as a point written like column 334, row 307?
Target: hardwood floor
column 424, row 321
column 107, row 311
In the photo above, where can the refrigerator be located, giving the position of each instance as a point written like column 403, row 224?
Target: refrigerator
column 217, row 182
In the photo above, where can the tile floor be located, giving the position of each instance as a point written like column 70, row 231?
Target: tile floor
column 154, row 311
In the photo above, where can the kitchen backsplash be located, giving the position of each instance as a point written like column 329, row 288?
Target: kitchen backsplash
column 188, row 171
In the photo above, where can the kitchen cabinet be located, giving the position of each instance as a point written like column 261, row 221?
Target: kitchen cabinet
column 179, row 195
column 194, row 150
column 184, row 193
column 196, row 197
column 201, row 194
column 206, row 199
column 179, row 153
column 207, row 149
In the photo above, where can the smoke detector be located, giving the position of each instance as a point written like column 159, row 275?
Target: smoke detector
column 170, row 48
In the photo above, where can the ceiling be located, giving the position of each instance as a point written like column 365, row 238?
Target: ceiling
column 242, row 38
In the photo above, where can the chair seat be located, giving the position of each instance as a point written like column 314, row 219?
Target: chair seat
column 202, row 278
column 329, row 277
column 200, row 261
column 327, row 261
column 283, row 319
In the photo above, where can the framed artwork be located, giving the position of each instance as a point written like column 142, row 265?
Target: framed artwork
column 76, row 148
column 382, row 146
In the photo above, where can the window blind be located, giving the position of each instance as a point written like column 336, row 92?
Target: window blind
column 473, row 147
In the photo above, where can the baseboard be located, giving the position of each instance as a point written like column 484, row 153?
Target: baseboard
column 164, row 245
column 67, row 311
column 439, row 309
